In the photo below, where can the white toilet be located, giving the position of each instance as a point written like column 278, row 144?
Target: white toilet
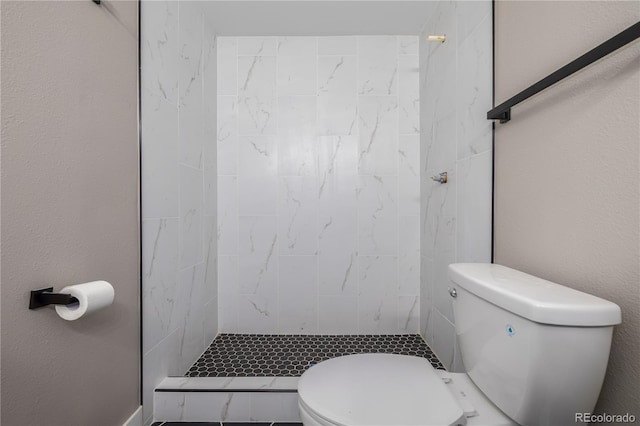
column 535, row 353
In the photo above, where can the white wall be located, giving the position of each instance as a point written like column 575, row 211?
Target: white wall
column 455, row 94
column 318, row 185
column 179, row 250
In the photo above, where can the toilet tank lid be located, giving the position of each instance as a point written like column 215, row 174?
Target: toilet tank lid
column 533, row 298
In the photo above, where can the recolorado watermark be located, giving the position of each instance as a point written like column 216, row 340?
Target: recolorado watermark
column 605, row 418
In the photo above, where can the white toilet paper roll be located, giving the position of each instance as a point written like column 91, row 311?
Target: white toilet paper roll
column 91, row 297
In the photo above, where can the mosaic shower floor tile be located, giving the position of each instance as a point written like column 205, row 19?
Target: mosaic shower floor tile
column 244, row 355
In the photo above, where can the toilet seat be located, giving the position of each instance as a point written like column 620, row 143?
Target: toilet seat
column 377, row 389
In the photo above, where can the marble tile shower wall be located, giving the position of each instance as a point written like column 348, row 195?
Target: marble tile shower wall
column 456, row 137
column 318, row 184
column 179, row 251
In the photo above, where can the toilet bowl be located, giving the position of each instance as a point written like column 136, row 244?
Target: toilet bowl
column 385, row 389
column 517, row 335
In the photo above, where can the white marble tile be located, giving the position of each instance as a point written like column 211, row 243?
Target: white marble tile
column 227, row 406
column 160, row 274
column 337, row 214
column 159, row 150
column 258, row 156
column 257, row 314
column 409, row 314
column 377, row 215
column 337, row 273
column 337, row 100
column 337, row 45
column 210, row 126
column 227, row 66
column 457, row 366
column 377, row 65
column 409, row 255
column 209, row 82
column 169, row 405
column 377, row 315
column 337, row 75
column 337, row 160
column 377, row 276
column 409, row 274
column 298, row 215
column 256, row 95
column 408, row 45
column 440, row 147
column 210, row 322
column 228, row 275
column 337, row 114
column 227, row 139
column 257, row 46
column 269, row 406
column 210, row 181
column 468, row 15
column 210, row 258
column 297, row 75
column 227, row 215
column 474, row 91
column 202, row 406
column 437, row 84
column 444, row 337
column 189, row 315
column 158, row 363
column 409, row 175
column 338, row 314
column 228, row 290
column 207, row 406
column 378, row 127
column 445, row 219
column 257, row 195
column 474, row 209
column 298, row 313
column 191, row 129
column 441, row 298
column 321, row 204
column 298, row 275
column 159, row 35
column 426, row 299
column 256, row 75
column 258, row 251
column 409, row 94
column 297, row 136
column 230, row 383
column 297, row 46
column 191, row 206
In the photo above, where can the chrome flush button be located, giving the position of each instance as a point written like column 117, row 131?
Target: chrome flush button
column 453, row 292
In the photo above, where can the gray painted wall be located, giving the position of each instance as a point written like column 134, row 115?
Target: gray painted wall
column 566, row 169
column 69, row 187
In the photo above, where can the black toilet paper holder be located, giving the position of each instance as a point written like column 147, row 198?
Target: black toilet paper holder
column 45, row 297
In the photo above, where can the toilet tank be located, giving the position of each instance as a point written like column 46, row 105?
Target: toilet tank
column 536, row 349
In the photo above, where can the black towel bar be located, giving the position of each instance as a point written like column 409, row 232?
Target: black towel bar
column 503, row 111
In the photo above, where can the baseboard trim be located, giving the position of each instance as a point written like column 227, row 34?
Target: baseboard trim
column 135, row 419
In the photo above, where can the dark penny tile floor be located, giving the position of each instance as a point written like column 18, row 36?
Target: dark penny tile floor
column 243, row 355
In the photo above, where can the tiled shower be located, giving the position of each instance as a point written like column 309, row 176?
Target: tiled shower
column 286, row 180
column 318, row 184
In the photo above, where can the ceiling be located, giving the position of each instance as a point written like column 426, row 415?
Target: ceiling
column 317, row 18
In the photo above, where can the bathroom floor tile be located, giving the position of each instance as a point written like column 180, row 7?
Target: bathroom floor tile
column 250, row 355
